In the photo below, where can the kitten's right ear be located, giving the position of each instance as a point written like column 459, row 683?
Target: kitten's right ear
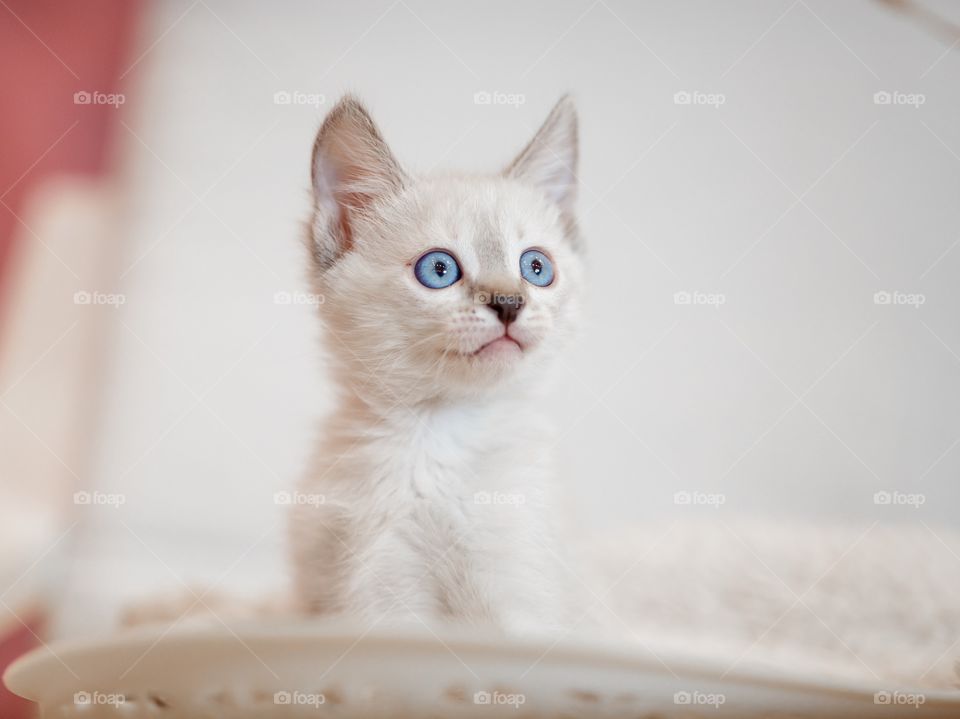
column 550, row 160
column 352, row 168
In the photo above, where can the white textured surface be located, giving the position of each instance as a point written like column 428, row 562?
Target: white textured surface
column 319, row 670
column 872, row 603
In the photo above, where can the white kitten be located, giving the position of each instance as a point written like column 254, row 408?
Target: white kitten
column 445, row 300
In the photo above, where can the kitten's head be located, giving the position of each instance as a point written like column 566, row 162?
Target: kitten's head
column 443, row 285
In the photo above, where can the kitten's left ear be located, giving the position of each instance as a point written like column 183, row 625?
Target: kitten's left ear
column 352, row 170
column 550, row 160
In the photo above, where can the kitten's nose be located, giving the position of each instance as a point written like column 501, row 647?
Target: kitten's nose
column 507, row 306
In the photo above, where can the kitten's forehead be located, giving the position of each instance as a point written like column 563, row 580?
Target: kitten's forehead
column 485, row 221
column 489, row 243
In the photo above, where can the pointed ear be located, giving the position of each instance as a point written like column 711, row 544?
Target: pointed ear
column 550, row 160
column 352, row 168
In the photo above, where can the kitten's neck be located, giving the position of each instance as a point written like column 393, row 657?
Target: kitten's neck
column 393, row 410
column 455, row 432
column 381, row 399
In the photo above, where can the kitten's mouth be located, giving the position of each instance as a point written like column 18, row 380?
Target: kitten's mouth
column 502, row 346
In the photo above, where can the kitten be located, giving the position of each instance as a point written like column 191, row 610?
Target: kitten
column 445, row 300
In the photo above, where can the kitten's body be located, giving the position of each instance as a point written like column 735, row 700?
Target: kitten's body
column 427, row 513
column 430, row 485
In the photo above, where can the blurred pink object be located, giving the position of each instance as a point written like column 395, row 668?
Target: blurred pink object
column 44, row 60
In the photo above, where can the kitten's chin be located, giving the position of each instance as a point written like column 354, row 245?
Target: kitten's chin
column 490, row 365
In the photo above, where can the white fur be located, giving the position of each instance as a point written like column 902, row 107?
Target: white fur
column 425, row 432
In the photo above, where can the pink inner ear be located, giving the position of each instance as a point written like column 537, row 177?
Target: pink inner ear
column 338, row 181
column 324, row 185
column 346, row 233
column 559, row 183
column 353, row 166
column 332, row 202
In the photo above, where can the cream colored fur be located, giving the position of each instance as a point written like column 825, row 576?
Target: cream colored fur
column 432, row 497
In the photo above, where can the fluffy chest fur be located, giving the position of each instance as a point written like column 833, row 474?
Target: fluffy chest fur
column 432, row 513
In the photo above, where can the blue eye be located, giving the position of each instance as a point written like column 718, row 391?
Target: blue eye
column 437, row 269
column 536, row 268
